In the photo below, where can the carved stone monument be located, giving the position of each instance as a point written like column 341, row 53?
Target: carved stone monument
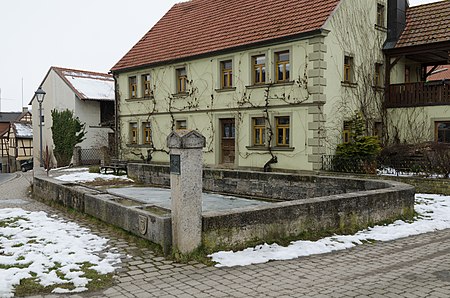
column 186, row 166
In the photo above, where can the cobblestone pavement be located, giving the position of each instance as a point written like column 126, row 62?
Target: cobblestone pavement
column 412, row 267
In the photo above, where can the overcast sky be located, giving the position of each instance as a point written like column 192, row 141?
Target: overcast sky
column 83, row 34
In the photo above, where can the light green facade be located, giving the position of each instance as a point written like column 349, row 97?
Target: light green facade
column 315, row 99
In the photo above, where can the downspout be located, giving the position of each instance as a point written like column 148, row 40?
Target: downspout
column 116, row 117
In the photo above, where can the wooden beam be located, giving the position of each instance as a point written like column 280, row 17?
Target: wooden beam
column 391, row 65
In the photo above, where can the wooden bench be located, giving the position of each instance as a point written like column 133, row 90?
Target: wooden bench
column 116, row 166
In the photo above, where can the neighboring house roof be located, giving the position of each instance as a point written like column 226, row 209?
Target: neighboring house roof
column 440, row 73
column 425, row 24
column 198, row 27
column 88, row 85
column 4, row 129
column 23, row 130
column 10, row 116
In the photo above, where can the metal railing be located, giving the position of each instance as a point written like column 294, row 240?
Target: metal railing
column 91, row 156
column 343, row 164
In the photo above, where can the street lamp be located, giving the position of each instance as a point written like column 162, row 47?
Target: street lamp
column 39, row 95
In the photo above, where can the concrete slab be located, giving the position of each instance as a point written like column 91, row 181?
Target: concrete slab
column 161, row 197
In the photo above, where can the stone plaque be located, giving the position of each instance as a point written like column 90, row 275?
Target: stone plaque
column 143, row 220
column 175, row 164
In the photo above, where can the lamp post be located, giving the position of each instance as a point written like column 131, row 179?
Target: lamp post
column 39, row 95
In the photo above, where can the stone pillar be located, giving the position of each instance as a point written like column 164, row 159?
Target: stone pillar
column 186, row 166
column 76, row 157
column 316, row 87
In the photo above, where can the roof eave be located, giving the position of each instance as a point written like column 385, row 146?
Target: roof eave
column 417, row 48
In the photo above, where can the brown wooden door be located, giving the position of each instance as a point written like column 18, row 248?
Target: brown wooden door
column 227, row 143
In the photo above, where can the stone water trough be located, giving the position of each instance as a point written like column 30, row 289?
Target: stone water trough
column 300, row 206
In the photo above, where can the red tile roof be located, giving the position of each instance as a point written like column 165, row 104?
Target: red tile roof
column 199, row 27
column 441, row 73
column 426, row 24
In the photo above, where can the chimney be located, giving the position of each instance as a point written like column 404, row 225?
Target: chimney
column 24, row 109
column 396, row 21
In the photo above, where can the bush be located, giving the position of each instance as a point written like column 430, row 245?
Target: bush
column 94, row 169
column 358, row 155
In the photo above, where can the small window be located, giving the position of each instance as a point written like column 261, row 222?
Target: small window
column 133, row 133
column 377, row 78
column 181, row 124
column 181, row 80
column 259, row 131
column 443, row 132
column 407, row 74
column 348, row 69
column 147, row 133
column 226, row 68
column 133, row 87
column 378, row 130
column 259, row 69
column 346, row 132
column 282, row 130
column 146, row 85
column 380, row 15
column 282, row 67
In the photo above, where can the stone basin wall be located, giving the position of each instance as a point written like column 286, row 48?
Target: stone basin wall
column 305, row 206
column 149, row 222
column 271, row 186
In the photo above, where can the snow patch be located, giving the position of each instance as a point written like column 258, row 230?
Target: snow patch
column 40, row 242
